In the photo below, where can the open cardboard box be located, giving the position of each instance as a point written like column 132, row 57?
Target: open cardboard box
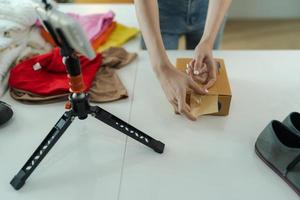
column 217, row 101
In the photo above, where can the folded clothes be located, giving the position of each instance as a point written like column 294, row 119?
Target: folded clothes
column 102, row 32
column 119, row 36
column 97, row 42
column 106, row 86
column 46, row 75
column 94, row 25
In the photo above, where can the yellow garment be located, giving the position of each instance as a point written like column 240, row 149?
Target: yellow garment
column 119, row 36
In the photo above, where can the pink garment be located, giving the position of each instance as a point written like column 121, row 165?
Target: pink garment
column 93, row 24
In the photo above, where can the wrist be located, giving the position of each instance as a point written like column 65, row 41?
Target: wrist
column 161, row 65
column 207, row 41
column 162, row 69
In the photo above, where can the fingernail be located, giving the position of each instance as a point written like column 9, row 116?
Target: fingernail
column 206, row 90
column 196, row 72
column 187, row 71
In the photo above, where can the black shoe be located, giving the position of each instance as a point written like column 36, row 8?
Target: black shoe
column 5, row 113
column 279, row 148
column 293, row 122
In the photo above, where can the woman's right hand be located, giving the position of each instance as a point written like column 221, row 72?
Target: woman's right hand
column 175, row 85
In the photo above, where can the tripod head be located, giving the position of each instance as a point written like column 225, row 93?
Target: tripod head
column 70, row 37
column 65, row 31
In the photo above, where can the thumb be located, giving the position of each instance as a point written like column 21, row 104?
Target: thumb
column 196, row 88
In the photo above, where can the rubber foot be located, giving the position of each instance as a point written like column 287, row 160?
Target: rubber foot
column 158, row 146
column 18, row 181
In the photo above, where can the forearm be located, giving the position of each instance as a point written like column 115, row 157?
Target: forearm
column 215, row 15
column 148, row 17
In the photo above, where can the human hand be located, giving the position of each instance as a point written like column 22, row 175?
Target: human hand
column 203, row 68
column 175, row 85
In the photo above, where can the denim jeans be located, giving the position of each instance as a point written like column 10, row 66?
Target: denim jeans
column 184, row 17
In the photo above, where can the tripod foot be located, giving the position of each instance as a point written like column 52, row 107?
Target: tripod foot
column 157, row 146
column 18, row 181
column 127, row 129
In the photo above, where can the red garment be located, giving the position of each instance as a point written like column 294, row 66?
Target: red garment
column 51, row 78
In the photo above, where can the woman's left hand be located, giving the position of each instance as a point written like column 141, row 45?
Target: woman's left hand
column 203, row 68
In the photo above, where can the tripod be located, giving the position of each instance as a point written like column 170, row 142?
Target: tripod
column 78, row 106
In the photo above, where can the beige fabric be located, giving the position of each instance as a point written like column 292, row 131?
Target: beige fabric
column 28, row 97
column 106, row 86
column 116, row 57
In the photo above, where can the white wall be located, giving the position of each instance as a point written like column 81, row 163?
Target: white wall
column 279, row 9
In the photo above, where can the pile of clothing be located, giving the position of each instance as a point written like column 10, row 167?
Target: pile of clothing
column 101, row 29
column 19, row 39
column 43, row 78
column 30, row 61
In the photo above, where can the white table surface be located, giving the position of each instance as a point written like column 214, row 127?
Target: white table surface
column 85, row 163
column 212, row 158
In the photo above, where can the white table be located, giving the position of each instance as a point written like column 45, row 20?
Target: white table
column 86, row 163
column 212, row 158
column 87, row 146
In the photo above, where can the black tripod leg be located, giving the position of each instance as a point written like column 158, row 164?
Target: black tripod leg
column 127, row 129
column 56, row 132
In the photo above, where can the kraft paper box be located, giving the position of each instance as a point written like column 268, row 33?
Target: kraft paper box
column 217, row 101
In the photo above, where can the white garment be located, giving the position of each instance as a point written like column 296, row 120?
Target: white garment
column 18, row 39
column 3, row 86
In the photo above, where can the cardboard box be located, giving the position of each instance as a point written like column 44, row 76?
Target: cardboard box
column 219, row 94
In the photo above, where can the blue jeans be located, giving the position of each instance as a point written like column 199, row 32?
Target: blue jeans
column 184, row 17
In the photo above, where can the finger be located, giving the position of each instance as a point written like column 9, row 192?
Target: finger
column 205, row 76
column 212, row 76
column 190, row 73
column 188, row 107
column 192, row 63
column 202, row 78
column 184, row 108
column 196, row 88
column 173, row 102
column 210, row 83
column 188, row 69
column 189, row 115
column 211, row 66
column 198, row 65
column 203, row 69
column 175, row 108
